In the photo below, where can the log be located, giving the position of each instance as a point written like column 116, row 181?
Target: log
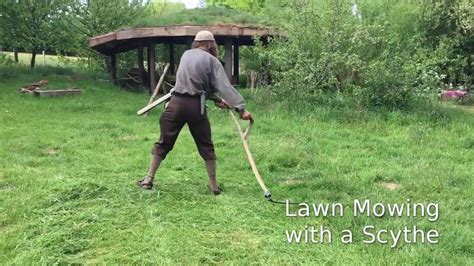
column 55, row 93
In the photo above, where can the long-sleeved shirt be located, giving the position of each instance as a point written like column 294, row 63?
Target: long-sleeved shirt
column 201, row 72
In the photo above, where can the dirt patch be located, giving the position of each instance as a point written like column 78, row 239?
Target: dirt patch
column 292, row 181
column 75, row 77
column 242, row 238
column 51, row 151
column 128, row 138
column 468, row 108
column 7, row 186
column 390, row 185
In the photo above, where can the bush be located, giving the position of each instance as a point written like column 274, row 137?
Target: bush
column 370, row 54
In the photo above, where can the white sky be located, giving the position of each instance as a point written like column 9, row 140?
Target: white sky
column 188, row 3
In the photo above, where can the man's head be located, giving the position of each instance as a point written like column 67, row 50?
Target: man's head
column 205, row 40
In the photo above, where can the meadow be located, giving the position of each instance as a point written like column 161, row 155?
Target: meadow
column 42, row 60
column 68, row 171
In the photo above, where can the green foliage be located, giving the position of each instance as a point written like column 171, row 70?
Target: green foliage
column 164, row 8
column 6, row 60
column 253, row 6
column 97, row 17
column 372, row 54
column 34, row 25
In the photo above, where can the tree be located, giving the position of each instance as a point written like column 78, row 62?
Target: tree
column 94, row 17
column 252, row 6
column 33, row 23
column 164, row 7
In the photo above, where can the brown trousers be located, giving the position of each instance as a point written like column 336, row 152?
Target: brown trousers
column 184, row 109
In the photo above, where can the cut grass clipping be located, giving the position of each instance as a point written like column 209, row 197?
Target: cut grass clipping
column 68, row 168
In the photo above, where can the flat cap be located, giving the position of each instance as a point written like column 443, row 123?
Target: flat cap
column 204, row 35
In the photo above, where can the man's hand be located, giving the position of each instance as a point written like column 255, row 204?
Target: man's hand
column 222, row 104
column 244, row 115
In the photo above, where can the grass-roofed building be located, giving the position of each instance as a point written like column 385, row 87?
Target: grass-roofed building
column 231, row 29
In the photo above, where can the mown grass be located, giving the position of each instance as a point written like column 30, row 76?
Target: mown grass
column 68, row 168
column 202, row 16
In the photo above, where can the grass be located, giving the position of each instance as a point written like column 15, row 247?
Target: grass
column 202, row 16
column 68, row 168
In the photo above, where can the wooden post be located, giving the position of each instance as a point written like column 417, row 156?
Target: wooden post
column 151, row 66
column 172, row 63
column 228, row 57
column 141, row 67
column 236, row 62
column 113, row 67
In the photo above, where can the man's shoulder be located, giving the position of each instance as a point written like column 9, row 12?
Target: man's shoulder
column 198, row 52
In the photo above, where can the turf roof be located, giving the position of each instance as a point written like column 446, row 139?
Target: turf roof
column 203, row 16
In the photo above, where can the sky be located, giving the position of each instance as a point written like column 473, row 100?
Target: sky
column 188, row 3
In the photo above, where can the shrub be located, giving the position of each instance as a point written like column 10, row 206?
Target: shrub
column 370, row 54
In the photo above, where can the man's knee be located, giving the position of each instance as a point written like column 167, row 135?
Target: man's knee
column 160, row 150
column 207, row 153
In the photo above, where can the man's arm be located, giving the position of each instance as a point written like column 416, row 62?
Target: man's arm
column 221, row 84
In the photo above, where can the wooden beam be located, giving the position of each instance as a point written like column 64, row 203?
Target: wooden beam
column 113, row 67
column 172, row 61
column 151, row 66
column 236, row 62
column 177, row 31
column 141, row 67
column 228, row 57
column 54, row 93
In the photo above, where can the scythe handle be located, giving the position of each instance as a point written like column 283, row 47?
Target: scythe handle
column 247, row 130
column 244, row 136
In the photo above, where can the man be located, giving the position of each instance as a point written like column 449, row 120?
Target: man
column 200, row 75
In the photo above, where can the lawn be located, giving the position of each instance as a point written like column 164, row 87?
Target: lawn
column 68, row 168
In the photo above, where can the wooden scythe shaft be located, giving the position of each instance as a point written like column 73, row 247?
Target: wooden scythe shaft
column 244, row 136
column 154, row 104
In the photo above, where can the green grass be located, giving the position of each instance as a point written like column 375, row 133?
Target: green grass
column 202, row 16
column 68, row 168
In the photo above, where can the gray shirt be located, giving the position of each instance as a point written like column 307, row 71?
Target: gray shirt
column 200, row 72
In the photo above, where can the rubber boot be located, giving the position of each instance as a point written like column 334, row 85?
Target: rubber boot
column 154, row 165
column 211, row 172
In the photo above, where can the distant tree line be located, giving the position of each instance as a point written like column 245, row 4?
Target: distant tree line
column 60, row 26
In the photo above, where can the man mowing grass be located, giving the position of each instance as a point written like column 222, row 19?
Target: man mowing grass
column 200, row 75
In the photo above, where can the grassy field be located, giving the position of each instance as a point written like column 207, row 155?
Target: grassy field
column 68, row 168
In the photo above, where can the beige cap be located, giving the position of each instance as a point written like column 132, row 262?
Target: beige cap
column 204, row 35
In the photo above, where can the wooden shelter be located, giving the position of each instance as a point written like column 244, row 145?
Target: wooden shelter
column 231, row 37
